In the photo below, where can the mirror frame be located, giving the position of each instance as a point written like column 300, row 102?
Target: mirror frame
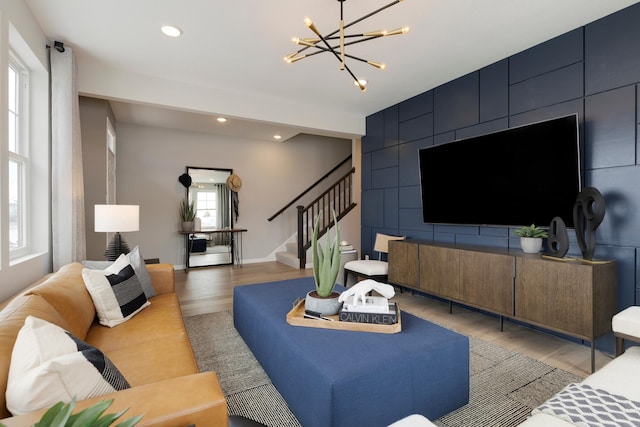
column 188, row 170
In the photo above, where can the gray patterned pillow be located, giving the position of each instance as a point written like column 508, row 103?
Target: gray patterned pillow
column 136, row 260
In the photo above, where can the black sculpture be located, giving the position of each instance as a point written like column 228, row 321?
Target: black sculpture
column 588, row 213
column 558, row 241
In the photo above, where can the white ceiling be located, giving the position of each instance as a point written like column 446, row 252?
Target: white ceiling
column 232, row 51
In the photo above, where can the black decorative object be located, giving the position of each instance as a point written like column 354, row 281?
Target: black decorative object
column 558, row 240
column 588, row 213
column 185, row 179
column 116, row 247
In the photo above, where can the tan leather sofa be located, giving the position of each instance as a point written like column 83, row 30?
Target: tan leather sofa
column 152, row 350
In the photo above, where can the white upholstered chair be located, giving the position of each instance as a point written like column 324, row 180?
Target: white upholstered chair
column 626, row 326
column 377, row 270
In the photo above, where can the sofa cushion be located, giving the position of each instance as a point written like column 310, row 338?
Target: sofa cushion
column 152, row 361
column 161, row 319
column 48, row 364
column 66, row 292
column 115, row 291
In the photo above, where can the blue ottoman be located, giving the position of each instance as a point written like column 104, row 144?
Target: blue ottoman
column 344, row 378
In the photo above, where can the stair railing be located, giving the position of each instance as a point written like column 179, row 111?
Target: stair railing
column 338, row 198
column 311, row 187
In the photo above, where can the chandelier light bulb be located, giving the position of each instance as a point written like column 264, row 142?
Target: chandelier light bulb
column 361, row 83
column 378, row 65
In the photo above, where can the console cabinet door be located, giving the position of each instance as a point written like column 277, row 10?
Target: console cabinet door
column 567, row 296
column 403, row 263
column 440, row 271
column 486, row 280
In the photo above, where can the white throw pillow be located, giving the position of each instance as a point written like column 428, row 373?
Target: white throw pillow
column 49, row 365
column 116, row 292
column 139, row 266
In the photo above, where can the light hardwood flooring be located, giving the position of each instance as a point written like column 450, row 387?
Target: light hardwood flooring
column 210, row 289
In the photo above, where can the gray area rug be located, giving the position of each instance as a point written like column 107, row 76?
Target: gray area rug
column 504, row 385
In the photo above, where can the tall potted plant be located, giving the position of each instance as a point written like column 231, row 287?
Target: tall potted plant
column 531, row 238
column 187, row 212
column 326, row 266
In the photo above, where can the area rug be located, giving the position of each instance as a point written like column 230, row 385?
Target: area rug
column 504, row 385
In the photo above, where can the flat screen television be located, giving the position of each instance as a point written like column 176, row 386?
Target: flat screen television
column 519, row 176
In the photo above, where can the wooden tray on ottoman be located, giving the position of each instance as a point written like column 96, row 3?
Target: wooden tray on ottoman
column 296, row 318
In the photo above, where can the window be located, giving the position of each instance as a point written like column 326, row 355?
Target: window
column 18, row 160
column 206, row 208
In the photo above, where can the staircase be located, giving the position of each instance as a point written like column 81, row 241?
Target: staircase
column 337, row 198
column 290, row 256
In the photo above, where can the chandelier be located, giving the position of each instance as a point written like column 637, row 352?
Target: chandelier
column 322, row 44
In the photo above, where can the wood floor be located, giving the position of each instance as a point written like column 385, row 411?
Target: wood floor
column 210, row 289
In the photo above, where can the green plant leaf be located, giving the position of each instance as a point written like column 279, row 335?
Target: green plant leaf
column 88, row 416
column 57, row 415
column 314, row 253
column 187, row 210
column 326, row 264
column 531, row 231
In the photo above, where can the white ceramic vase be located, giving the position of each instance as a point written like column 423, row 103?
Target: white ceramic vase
column 531, row 245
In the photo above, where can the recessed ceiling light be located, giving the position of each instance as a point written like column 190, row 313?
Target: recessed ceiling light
column 221, row 119
column 171, row 31
column 277, row 137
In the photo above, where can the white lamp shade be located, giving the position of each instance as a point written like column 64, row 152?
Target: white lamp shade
column 117, row 218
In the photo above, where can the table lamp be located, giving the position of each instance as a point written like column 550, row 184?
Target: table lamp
column 116, row 219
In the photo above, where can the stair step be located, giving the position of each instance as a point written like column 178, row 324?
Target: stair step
column 288, row 258
column 292, row 248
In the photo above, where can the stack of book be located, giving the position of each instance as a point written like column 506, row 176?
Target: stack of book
column 376, row 310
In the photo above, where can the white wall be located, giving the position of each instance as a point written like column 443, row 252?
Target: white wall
column 150, row 160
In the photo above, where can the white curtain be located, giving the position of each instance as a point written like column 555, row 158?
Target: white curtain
column 67, row 187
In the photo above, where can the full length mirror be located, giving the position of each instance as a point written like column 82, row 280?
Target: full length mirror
column 212, row 198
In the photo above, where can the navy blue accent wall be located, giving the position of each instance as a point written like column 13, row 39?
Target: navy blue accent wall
column 593, row 71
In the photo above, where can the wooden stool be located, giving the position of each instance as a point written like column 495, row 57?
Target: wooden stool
column 626, row 326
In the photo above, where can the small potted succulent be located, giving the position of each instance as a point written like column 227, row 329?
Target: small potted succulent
column 531, row 238
column 187, row 213
column 326, row 266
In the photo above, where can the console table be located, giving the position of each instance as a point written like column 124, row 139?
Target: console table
column 570, row 296
column 235, row 237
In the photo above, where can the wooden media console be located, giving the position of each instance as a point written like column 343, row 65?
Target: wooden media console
column 574, row 297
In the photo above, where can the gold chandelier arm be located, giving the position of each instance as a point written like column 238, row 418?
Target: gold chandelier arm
column 314, row 43
column 309, row 23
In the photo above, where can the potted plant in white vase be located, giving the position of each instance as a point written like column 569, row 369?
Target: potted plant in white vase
column 187, row 212
column 531, row 238
column 326, row 266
